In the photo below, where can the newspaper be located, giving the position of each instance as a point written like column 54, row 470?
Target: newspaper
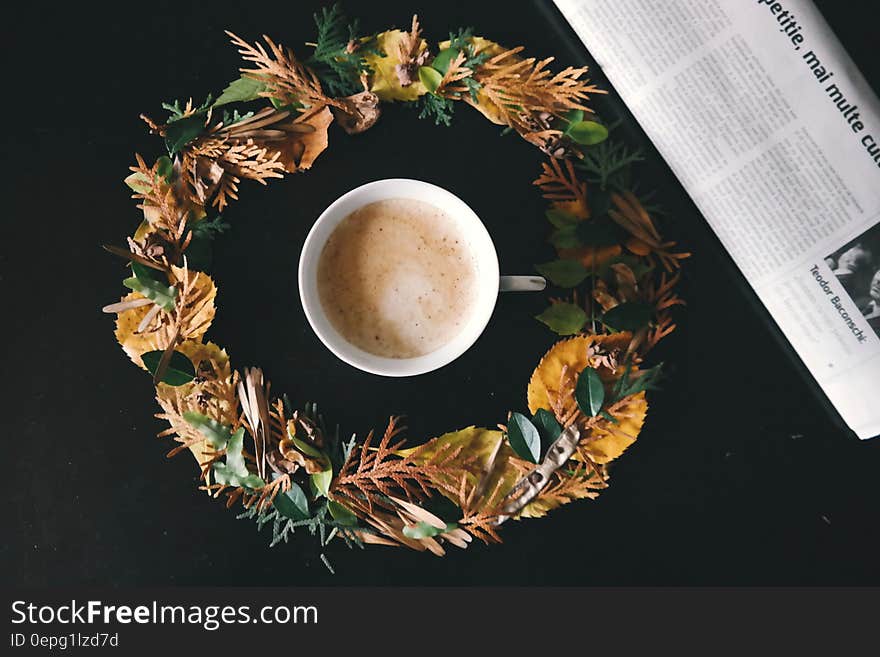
column 775, row 134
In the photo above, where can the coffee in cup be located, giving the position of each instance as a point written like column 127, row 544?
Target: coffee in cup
column 397, row 278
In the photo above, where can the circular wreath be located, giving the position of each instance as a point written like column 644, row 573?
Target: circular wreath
column 587, row 396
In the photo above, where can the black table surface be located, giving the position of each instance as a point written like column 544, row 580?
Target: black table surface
column 739, row 477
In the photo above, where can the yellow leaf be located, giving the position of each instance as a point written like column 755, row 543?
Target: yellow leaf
column 385, row 83
column 571, row 352
column 483, row 104
column 207, row 357
column 476, row 446
column 145, row 228
column 608, row 440
column 135, row 344
column 213, row 394
column 206, row 352
column 195, row 302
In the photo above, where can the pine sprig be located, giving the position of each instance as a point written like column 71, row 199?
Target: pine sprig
column 210, row 228
column 608, row 163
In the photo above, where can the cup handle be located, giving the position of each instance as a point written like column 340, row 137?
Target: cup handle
column 522, row 284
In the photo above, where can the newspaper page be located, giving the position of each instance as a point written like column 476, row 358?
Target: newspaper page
column 775, row 134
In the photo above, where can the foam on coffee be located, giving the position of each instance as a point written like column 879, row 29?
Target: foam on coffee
column 397, row 278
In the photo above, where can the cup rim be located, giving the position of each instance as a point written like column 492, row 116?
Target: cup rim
column 478, row 236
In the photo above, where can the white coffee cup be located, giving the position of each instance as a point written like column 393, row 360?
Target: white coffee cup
column 489, row 283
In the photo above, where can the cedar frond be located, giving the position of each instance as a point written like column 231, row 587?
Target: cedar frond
column 259, row 147
column 193, row 307
column 411, row 43
column 287, row 80
column 527, row 93
column 482, row 520
column 664, row 298
column 561, row 185
column 373, row 473
column 585, row 481
column 166, row 211
column 450, row 84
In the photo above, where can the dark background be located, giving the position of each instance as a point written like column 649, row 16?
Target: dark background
column 739, row 477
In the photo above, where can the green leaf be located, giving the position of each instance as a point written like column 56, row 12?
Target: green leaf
column 180, row 369
column 629, row 316
column 597, row 231
column 146, row 274
column 573, row 117
column 342, row 514
column 293, row 504
column 165, row 168
column 430, row 77
column 223, row 475
column 293, row 108
column 234, row 471
column 443, row 60
column 524, row 437
column 566, row 237
column 139, row 183
column 309, row 450
column 234, row 458
column 182, row 131
column 548, row 427
column 589, row 392
column 587, row 133
column 564, row 273
column 242, row 90
column 560, row 219
column 564, row 318
column 423, row 530
column 217, row 434
column 320, row 482
column 163, row 295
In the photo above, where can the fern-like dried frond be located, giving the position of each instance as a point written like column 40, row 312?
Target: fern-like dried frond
column 371, row 473
column 163, row 208
column 261, row 147
column 410, row 46
column 584, row 481
column 482, row 520
column 526, row 94
column 287, row 80
column 559, row 182
column 451, row 85
column 664, row 298
column 212, row 393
